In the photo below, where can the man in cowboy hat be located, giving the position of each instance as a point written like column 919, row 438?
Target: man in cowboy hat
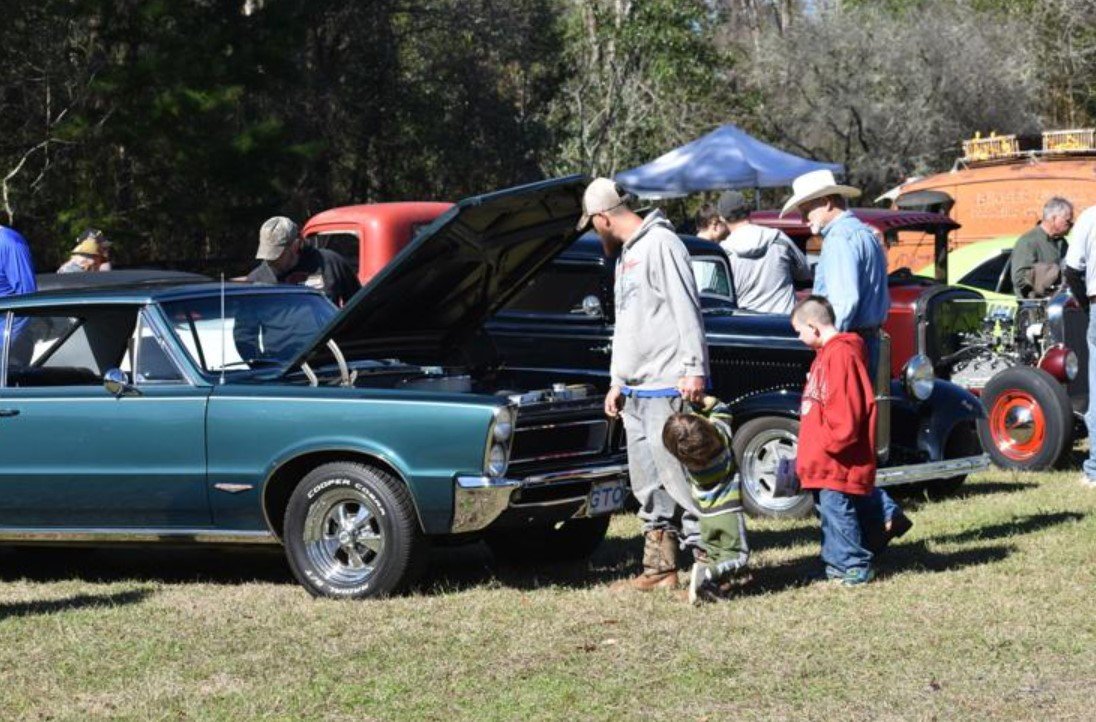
column 659, row 361
column 851, row 274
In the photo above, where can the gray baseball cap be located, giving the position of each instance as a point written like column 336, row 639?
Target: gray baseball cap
column 274, row 236
column 731, row 204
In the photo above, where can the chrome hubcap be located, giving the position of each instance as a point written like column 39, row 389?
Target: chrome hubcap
column 759, row 462
column 1020, row 424
column 343, row 537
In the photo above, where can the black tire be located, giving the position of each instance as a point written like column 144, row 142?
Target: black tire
column 567, row 541
column 351, row 532
column 758, row 446
column 1029, row 422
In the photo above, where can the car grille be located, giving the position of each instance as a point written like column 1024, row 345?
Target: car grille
column 560, row 440
column 1076, row 331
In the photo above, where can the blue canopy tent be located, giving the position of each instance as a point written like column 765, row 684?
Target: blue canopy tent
column 728, row 157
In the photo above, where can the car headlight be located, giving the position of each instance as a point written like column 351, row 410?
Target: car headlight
column 496, row 460
column 1072, row 365
column 919, row 377
column 1061, row 363
column 499, row 438
column 504, row 425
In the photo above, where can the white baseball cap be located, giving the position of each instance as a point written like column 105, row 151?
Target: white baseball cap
column 601, row 196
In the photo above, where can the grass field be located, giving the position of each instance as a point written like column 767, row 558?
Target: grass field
column 984, row 611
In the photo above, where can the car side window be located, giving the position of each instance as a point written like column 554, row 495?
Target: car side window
column 344, row 243
column 713, row 278
column 987, row 275
column 562, row 290
column 151, row 360
column 69, row 347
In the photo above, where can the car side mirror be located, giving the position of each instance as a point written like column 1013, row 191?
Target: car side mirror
column 117, row 384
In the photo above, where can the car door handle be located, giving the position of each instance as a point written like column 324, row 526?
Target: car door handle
column 606, row 349
column 9, row 412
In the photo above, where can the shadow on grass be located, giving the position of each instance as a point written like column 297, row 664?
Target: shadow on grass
column 913, row 496
column 78, row 601
column 170, row 565
column 1021, row 525
column 914, row 557
column 458, row 568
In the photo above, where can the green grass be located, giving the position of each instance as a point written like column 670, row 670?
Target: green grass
column 984, row 611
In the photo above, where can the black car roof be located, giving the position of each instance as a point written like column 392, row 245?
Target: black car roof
column 137, row 286
column 588, row 247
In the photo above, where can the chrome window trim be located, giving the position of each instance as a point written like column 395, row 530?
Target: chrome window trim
column 134, row 535
column 144, row 318
column 8, row 318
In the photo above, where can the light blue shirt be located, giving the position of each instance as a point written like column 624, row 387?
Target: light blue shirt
column 852, row 273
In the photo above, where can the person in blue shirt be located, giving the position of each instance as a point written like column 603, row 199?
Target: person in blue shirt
column 16, row 277
column 852, row 275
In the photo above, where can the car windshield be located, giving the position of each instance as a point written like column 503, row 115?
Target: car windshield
column 258, row 331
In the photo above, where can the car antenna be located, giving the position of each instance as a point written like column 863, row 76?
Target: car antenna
column 222, row 328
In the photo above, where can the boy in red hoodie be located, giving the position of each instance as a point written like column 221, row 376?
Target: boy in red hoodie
column 836, row 458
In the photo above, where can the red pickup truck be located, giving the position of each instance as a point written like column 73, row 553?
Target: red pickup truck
column 370, row 235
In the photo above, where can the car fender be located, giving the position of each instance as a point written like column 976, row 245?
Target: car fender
column 771, row 402
column 947, row 407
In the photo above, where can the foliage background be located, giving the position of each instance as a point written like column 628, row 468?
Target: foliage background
column 179, row 126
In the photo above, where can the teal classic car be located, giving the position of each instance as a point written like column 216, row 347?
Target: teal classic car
column 179, row 411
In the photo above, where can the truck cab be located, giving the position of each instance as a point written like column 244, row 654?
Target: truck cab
column 370, row 235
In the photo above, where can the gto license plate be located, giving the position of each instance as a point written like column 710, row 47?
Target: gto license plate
column 606, row 497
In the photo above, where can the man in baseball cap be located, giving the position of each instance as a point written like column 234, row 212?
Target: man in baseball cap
column 659, row 362
column 286, row 258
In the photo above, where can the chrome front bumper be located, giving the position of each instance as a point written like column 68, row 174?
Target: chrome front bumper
column 932, row 470
column 479, row 500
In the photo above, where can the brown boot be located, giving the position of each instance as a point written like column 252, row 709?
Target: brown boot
column 659, row 564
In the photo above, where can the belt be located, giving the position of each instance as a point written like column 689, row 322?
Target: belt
column 649, row 393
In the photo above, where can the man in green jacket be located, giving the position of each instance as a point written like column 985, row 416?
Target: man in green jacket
column 1038, row 253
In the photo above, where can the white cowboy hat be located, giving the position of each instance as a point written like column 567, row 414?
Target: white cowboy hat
column 816, row 184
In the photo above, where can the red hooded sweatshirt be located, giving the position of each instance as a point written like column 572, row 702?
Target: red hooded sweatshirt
column 837, row 420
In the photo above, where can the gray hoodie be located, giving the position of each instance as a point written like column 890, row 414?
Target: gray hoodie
column 659, row 333
column 765, row 264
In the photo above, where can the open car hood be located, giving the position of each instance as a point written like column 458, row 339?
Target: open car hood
column 455, row 275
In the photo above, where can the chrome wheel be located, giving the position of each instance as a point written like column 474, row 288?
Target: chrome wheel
column 759, row 462
column 759, row 445
column 343, row 537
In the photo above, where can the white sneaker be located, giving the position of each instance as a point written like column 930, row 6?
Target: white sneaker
column 1088, row 481
column 698, row 577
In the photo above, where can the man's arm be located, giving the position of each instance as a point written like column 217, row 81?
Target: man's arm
column 1075, row 279
column 1023, row 258
column 801, row 268
column 842, row 282
column 684, row 302
column 19, row 268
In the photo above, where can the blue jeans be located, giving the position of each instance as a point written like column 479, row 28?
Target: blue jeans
column 852, row 530
column 1090, row 416
column 890, row 506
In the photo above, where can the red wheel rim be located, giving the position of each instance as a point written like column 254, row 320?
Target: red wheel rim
column 1018, row 425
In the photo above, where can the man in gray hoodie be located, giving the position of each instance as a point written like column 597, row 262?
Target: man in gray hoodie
column 765, row 263
column 659, row 362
